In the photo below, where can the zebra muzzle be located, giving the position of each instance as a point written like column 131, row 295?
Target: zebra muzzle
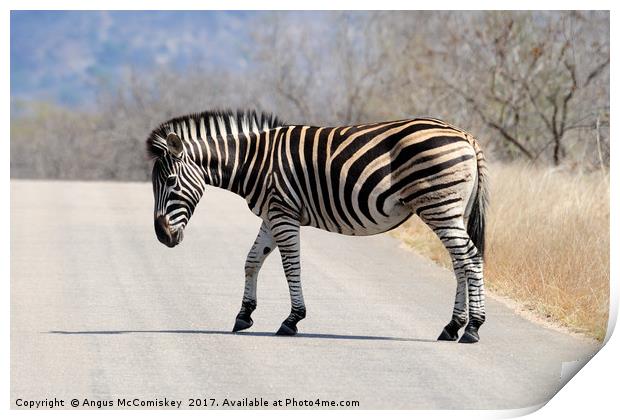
column 165, row 235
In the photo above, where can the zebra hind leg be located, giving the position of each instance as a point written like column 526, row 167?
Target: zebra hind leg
column 475, row 288
column 262, row 247
column 467, row 265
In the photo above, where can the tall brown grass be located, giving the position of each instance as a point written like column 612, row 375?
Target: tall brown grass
column 548, row 243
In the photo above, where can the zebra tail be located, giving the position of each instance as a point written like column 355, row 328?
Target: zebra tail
column 477, row 218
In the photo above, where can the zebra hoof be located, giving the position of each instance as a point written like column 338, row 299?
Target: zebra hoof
column 242, row 324
column 287, row 330
column 470, row 336
column 447, row 336
column 451, row 331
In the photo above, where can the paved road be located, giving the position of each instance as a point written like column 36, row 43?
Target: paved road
column 101, row 310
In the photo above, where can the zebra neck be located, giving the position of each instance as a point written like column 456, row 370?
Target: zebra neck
column 225, row 161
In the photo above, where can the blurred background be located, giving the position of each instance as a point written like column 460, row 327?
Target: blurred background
column 87, row 87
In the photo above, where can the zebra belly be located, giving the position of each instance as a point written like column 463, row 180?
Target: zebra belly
column 331, row 222
column 373, row 229
column 397, row 215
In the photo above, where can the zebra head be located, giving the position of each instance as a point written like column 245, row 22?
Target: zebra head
column 178, row 185
column 179, row 181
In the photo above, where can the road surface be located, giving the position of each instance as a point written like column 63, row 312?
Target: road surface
column 101, row 310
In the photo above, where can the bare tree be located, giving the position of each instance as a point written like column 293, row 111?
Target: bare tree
column 529, row 78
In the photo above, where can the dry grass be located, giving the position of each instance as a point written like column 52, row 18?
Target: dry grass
column 548, row 244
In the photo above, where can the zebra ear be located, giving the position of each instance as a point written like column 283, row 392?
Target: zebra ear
column 175, row 145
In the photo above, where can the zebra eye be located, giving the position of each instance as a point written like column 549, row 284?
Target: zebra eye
column 171, row 180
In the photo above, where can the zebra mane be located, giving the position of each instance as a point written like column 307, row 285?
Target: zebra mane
column 214, row 120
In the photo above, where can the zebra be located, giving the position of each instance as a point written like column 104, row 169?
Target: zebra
column 354, row 180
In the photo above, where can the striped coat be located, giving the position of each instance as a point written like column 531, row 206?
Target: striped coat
column 354, row 180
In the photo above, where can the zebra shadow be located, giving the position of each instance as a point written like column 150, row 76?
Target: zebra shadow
column 248, row 334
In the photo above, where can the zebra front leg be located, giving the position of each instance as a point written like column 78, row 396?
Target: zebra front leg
column 286, row 234
column 262, row 247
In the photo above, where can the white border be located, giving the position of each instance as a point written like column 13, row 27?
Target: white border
column 593, row 392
